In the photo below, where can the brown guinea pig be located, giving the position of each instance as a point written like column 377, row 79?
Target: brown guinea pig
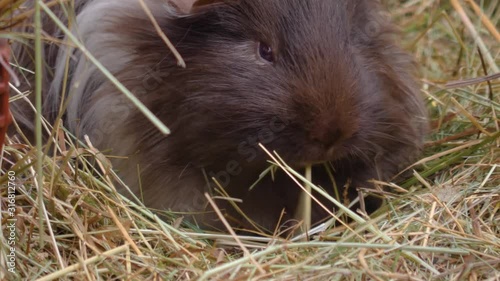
column 319, row 81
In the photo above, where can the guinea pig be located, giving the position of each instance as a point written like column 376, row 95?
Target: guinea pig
column 318, row 81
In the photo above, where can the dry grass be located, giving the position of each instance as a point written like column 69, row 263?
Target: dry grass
column 442, row 224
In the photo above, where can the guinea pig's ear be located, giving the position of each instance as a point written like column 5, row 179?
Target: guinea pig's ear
column 183, row 6
column 186, row 6
column 200, row 3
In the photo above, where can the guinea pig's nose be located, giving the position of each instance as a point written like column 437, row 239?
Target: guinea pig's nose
column 328, row 137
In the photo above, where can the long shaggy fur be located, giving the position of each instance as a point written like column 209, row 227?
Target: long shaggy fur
column 339, row 91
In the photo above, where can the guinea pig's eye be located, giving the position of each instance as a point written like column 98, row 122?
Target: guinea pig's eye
column 266, row 52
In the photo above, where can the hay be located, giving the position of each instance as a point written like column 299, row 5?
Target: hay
column 441, row 224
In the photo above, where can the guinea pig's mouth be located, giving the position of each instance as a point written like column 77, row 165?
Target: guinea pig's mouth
column 315, row 157
column 302, row 165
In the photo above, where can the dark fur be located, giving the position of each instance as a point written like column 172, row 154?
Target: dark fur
column 340, row 90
